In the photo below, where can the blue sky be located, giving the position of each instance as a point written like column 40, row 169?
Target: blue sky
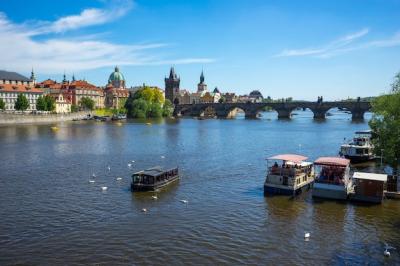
column 302, row 49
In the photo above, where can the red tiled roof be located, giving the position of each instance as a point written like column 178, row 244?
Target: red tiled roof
column 18, row 88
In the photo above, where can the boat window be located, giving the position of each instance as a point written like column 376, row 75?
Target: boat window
column 136, row 179
column 331, row 175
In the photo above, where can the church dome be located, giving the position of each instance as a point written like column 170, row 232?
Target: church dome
column 116, row 76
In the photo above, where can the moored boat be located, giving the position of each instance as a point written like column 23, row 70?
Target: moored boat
column 153, row 178
column 332, row 179
column 288, row 174
column 359, row 149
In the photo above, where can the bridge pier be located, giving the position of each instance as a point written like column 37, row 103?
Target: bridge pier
column 319, row 114
column 283, row 113
column 250, row 114
column 357, row 114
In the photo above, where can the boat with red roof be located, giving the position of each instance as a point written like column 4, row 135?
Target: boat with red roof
column 288, row 174
column 333, row 179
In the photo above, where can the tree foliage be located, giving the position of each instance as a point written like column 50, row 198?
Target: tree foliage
column 74, row 108
column 168, row 108
column 46, row 103
column 87, row 103
column 148, row 102
column 2, row 104
column 385, row 125
column 22, row 103
column 50, row 103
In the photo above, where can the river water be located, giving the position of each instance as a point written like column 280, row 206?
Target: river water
column 51, row 215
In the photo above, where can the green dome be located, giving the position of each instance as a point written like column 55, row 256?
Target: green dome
column 116, row 76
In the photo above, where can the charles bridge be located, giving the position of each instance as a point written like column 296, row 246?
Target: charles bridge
column 284, row 109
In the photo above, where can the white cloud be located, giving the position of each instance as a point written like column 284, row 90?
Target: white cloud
column 342, row 45
column 22, row 50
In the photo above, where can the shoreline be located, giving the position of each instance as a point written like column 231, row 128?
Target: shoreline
column 7, row 119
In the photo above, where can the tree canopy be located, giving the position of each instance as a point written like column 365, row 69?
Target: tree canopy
column 148, row 102
column 22, row 103
column 87, row 103
column 2, row 104
column 46, row 103
column 385, row 124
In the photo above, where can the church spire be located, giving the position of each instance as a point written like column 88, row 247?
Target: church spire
column 64, row 78
column 73, row 77
column 172, row 73
column 202, row 77
column 33, row 78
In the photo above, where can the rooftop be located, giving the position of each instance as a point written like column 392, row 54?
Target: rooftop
column 289, row 157
column 154, row 171
column 370, row 176
column 18, row 88
column 332, row 161
column 6, row 75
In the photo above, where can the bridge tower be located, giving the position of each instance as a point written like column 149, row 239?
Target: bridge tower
column 172, row 86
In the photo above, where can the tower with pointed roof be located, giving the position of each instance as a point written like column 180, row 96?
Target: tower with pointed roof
column 64, row 78
column 201, row 86
column 172, row 86
column 33, row 78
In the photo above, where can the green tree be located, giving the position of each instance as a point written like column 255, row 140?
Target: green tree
column 137, row 108
column 50, row 103
column 87, row 103
column 22, row 103
column 168, row 108
column 74, row 108
column 41, row 104
column 2, row 104
column 385, row 125
column 154, row 110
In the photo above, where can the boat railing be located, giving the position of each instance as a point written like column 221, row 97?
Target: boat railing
column 290, row 172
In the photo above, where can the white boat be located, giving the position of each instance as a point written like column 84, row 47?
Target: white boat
column 332, row 179
column 288, row 174
column 359, row 149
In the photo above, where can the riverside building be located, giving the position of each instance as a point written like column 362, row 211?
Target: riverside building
column 13, row 84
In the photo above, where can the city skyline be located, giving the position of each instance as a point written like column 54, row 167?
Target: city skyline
column 336, row 50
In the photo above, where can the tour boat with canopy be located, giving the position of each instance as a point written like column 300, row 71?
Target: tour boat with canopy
column 153, row 178
column 360, row 149
column 332, row 178
column 288, row 174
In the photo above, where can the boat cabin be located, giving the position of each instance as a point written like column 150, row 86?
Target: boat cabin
column 360, row 148
column 368, row 187
column 153, row 178
column 332, row 178
column 287, row 174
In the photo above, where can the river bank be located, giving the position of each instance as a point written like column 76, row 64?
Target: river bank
column 23, row 118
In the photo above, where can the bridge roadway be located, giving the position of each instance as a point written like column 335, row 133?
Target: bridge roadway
column 284, row 109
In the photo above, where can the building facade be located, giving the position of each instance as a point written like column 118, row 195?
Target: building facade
column 115, row 92
column 13, row 84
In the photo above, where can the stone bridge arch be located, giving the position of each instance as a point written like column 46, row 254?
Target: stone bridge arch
column 284, row 109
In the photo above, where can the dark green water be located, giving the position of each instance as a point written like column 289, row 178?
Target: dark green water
column 51, row 215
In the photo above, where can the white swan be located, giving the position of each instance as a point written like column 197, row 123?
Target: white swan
column 91, row 181
column 119, row 178
column 104, row 188
column 386, row 252
column 184, row 201
column 129, row 165
column 154, row 197
column 109, row 168
column 144, row 210
column 307, row 236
